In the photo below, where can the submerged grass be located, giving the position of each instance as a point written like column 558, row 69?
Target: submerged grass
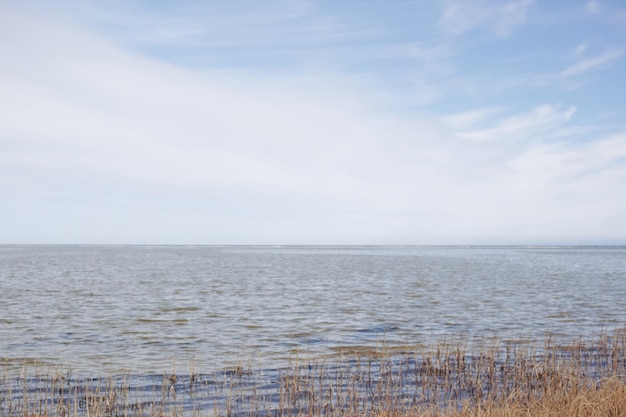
column 496, row 378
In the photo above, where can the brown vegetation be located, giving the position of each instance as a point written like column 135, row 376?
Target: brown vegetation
column 499, row 378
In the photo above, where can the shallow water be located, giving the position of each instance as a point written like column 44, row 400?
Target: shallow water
column 146, row 309
column 431, row 377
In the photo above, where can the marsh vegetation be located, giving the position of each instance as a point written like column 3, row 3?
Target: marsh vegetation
column 497, row 377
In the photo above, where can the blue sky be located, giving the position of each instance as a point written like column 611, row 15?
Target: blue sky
column 313, row 122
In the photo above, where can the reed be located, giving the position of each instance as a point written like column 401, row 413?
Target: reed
column 495, row 378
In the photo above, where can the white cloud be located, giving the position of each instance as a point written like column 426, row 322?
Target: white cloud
column 87, row 113
column 524, row 125
column 593, row 7
column 580, row 48
column 590, row 64
column 470, row 119
column 583, row 177
column 197, row 24
column 103, row 145
column 428, row 54
column 558, row 161
column 503, row 18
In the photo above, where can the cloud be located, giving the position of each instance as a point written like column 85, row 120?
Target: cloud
column 593, row 7
column 502, row 18
column 590, row 64
column 584, row 177
column 235, row 25
column 469, row 119
column 428, row 54
column 524, row 125
column 580, row 48
column 82, row 118
column 102, row 145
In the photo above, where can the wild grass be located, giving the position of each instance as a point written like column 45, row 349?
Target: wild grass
column 495, row 378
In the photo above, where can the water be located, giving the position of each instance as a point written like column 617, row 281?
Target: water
column 101, row 309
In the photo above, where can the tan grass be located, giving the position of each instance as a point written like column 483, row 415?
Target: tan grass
column 499, row 378
column 606, row 400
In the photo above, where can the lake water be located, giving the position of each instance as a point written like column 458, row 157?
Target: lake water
column 145, row 308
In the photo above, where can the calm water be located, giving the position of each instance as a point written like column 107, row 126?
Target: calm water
column 104, row 308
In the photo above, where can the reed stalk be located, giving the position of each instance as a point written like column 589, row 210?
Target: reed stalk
column 498, row 378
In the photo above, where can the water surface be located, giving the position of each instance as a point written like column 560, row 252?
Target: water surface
column 144, row 308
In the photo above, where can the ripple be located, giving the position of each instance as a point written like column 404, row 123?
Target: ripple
column 153, row 303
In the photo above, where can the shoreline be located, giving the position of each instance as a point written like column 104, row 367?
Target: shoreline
column 389, row 379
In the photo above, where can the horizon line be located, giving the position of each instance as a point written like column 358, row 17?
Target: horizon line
column 342, row 245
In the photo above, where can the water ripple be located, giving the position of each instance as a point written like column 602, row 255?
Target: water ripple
column 137, row 307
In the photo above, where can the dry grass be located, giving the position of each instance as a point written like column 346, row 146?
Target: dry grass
column 496, row 379
column 608, row 399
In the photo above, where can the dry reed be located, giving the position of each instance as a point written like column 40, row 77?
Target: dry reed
column 495, row 379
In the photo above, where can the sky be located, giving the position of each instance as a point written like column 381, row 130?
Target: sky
column 371, row 122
